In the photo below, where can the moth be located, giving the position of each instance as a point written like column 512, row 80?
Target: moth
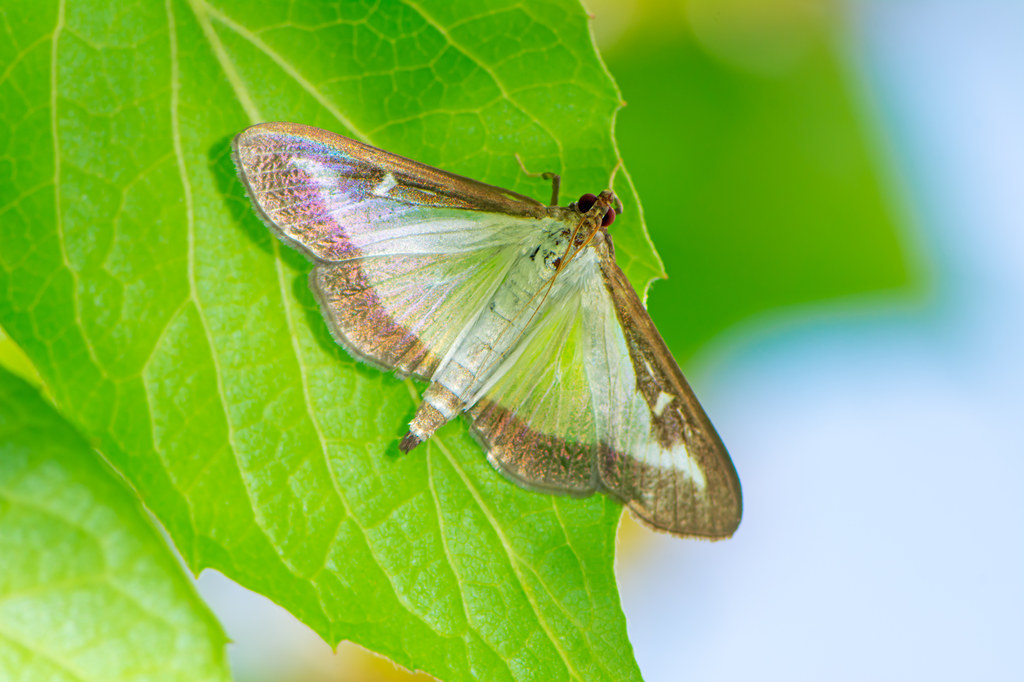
column 514, row 311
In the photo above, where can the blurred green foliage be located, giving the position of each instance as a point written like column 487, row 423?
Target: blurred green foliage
column 89, row 589
column 761, row 186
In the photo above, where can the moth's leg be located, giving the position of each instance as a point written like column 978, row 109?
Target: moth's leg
column 556, row 180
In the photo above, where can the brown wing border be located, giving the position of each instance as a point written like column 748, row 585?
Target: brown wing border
column 438, row 187
column 656, row 372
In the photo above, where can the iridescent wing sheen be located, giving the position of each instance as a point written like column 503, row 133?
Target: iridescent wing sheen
column 407, row 313
column 406, row 255
column 594, row 401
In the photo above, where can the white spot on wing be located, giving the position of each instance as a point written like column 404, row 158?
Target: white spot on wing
column 663, row 400
column 627, row 415
column 681, row 459
column 678, row 459
column 385, row 186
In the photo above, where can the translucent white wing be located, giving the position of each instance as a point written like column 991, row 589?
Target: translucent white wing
column 535, row 417
column 406, row 254
column 595, row 401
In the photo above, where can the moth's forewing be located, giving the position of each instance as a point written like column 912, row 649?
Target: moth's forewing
column 406, row 254
column 683, row 481
column 269, row 155
column 595, row 401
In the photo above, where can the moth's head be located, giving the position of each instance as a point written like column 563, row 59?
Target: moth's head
column 606, row 200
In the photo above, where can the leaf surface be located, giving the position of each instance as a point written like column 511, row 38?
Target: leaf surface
column 89, row 589
column 181, row 338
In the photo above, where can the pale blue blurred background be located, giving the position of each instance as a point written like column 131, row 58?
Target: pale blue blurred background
column 881, row 447
column 879, row 437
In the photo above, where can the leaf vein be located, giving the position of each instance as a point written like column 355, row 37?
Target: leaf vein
column 58, row 212
column 513, row 558
column 451, row 562
column 244, row 96
column 58, row 662
column 191, row 238
column 490, row 72
column 288, row 68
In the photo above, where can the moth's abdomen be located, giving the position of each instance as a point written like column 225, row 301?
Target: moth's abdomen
column 439, row 407
column 491, row 338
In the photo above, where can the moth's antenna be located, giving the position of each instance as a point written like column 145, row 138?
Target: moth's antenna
column 611, row 180
column 556, row 180
column 611, row 185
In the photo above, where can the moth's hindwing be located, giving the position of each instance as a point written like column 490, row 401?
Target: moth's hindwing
column 535, row 418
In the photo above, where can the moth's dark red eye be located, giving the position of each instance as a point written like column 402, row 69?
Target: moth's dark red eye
column 586, row 202
column 609, row 218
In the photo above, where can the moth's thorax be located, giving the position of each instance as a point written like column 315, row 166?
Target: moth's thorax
column 602, row 243
column 507, row 315
column 512, row 310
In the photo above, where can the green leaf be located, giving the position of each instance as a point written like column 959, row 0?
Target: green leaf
column 88, row 588
column 176, row 333
column 14, row 360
